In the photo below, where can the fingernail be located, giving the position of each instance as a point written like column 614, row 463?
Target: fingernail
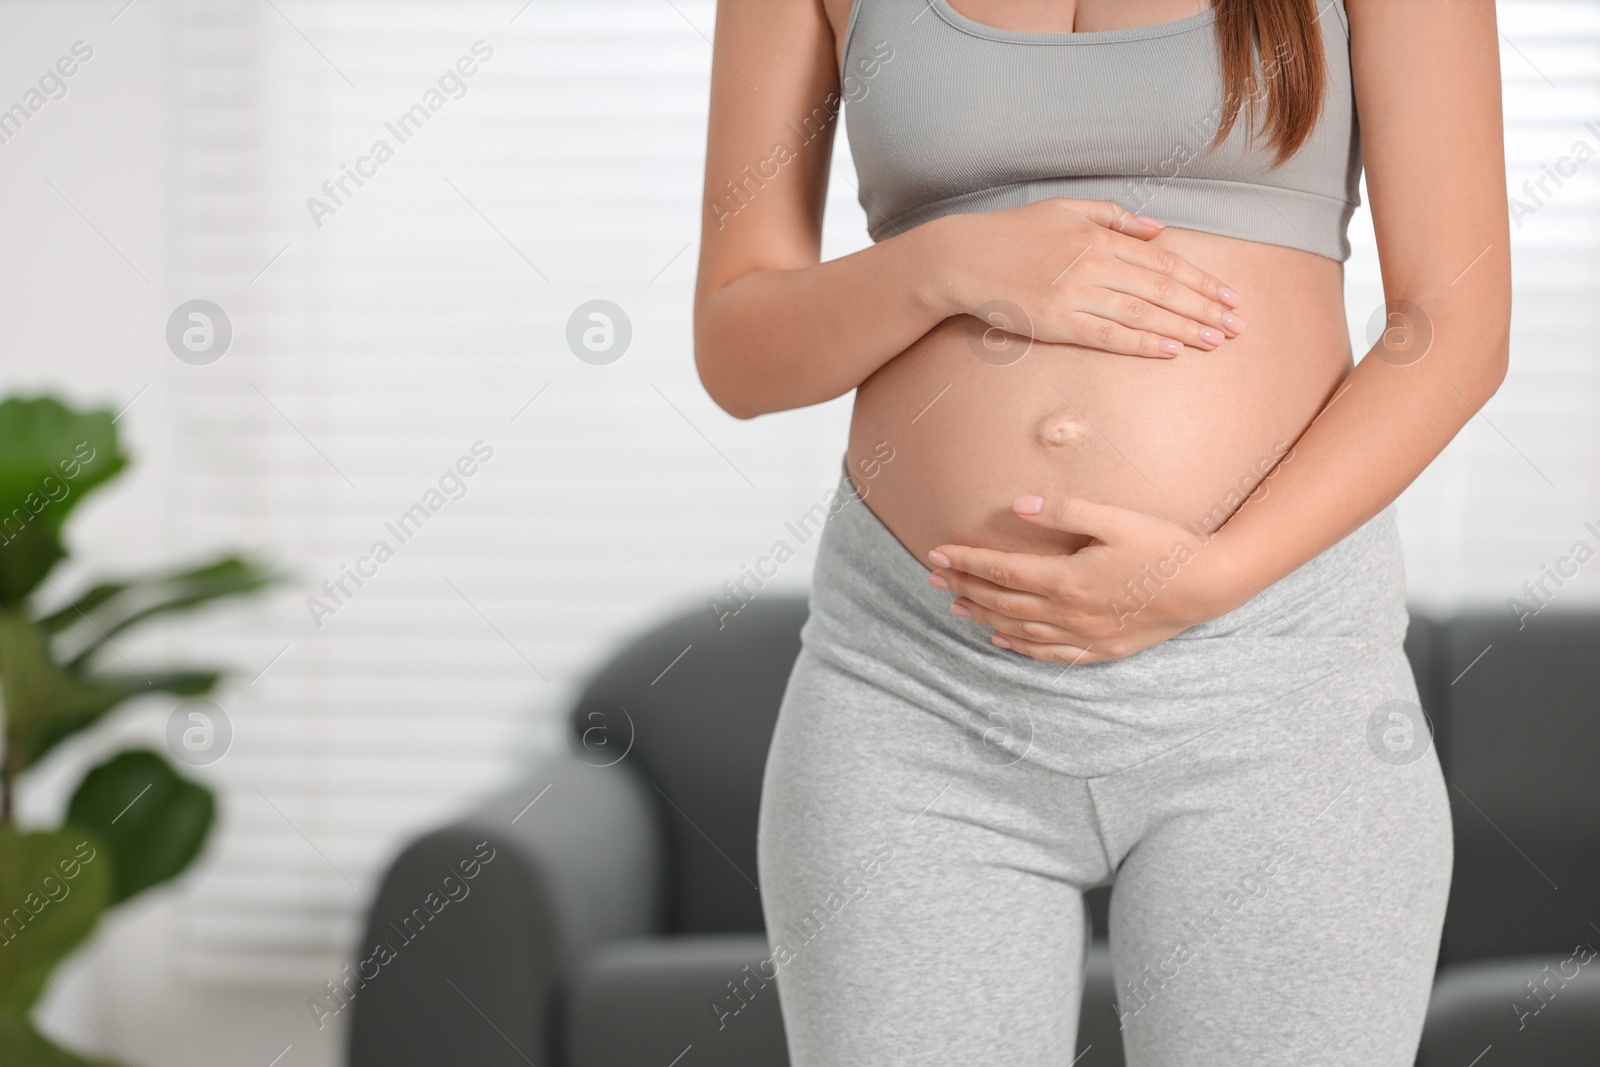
column 1227, row 296
column 939, row 558
column 1148, row 221
column 1000, row 640
column 1028, row 505
column 938, row 582
column 1210, row 336
column 1232, row 323
column 1171, row 347
column 961, row 610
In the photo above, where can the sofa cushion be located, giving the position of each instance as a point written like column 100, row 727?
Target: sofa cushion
column 697, row 1000
column 1518, row 740
column 1476, row 1006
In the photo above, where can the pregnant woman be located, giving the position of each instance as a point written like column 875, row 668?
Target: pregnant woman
column 1112, row 594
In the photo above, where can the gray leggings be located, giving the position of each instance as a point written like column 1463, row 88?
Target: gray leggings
column 1260, row 791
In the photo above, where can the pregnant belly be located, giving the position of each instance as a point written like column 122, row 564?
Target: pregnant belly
column 1185, row 439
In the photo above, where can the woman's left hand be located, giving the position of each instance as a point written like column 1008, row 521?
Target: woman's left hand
column 1142, row 580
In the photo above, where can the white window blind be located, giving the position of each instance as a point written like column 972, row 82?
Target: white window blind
column 426, row 314
column 429, row 312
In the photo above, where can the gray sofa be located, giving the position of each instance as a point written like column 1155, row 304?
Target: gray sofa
column 615, row 917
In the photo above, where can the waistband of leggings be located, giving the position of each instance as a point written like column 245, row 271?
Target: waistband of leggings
column 1350, row 595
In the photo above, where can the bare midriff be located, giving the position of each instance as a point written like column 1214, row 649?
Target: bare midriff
column 1185, row 439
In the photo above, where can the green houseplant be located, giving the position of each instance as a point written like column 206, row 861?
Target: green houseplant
column 133, row 822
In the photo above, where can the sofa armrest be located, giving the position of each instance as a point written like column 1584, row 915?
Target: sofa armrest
column 475, row 924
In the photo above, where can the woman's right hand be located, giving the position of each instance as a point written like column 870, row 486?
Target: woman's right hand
column 1081, row 272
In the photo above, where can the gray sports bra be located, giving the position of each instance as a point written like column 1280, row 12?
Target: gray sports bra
column 947, row 115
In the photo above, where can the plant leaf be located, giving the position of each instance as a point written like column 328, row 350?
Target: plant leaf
column 53, row 887
column 45, row 704
column 85, row 699
column 228, row 573
column 50, row 458
column 111, row 607
column 28, row 680
column 87, row 601
column 26, row 1047
column 152, row 821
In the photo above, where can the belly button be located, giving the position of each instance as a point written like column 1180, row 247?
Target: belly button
column 1059, row 430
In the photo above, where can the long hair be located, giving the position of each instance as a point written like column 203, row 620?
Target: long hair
column 1289, row 81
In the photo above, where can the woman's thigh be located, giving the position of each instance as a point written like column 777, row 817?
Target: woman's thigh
column 921, row 888
column 1283, row 899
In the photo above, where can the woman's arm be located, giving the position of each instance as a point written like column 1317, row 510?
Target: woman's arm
column 1427, row 83
column 774, row 328
column 777, row 329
